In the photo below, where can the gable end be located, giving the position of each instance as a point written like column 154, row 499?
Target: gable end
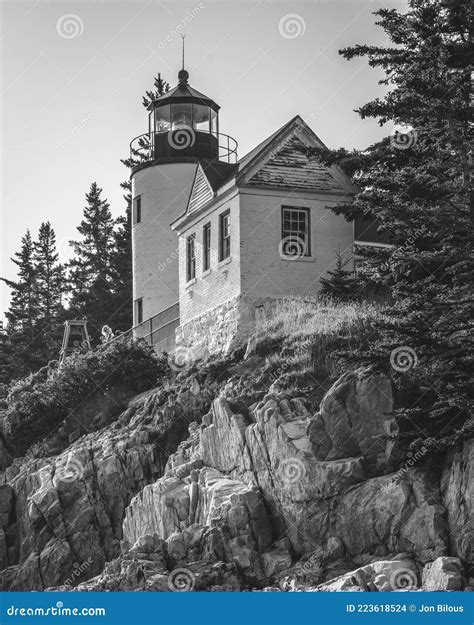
column 201, row 192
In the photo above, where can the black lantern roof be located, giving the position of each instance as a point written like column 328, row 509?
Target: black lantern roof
column 183, row 93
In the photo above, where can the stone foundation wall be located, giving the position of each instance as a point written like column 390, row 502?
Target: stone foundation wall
column 225, row 327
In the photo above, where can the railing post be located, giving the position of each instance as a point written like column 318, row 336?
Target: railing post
column 151, row 330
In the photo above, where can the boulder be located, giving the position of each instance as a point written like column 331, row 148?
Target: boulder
column 445, row 573
column 275, row 562
column 355, row 416
column 457, row 495
column 382, row 576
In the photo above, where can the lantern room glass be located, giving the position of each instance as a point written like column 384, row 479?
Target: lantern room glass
column 162, row 118
column 181, row 115
column 171, row 116
column 201, row 117
column 214, row 122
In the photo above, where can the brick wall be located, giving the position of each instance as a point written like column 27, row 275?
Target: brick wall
column 222, row 281
column 264, row 273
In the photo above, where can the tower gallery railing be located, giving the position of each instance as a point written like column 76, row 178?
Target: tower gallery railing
column 142, row 148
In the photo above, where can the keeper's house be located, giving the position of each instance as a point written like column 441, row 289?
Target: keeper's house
column 215, row 238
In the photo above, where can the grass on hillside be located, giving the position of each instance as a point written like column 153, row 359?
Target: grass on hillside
column 306, row 343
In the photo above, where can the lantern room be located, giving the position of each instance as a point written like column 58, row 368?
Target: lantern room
column 184, row 123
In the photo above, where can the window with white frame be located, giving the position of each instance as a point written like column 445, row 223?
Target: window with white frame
column 206, row 247
column 224, row 235
column 191, row 257
column 295, row 232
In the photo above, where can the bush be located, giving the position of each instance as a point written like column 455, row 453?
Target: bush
column 39, row 403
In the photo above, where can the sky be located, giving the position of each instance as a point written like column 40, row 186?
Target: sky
column 73, row 74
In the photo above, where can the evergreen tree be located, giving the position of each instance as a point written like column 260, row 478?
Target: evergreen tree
column 141, row 154
column 50, row 286
column 416, row 184
column 23, row 309
column 160, row 87
column 341, row 285
column 122, row 274
column 49, row 274
column 91, row 275
column 19, row 347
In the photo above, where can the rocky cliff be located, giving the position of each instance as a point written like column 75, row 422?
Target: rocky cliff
column 189, row 489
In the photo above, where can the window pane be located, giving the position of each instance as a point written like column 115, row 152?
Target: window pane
column 190, row 258
column 201, row 117
column 139, row 311
column 206, row 243
column 162, row 118
column 137, row 213
column 224, row 236
column 295, row 232
column 214, row 128
column 181, row 115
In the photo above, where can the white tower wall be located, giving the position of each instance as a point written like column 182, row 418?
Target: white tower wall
column 164, row 191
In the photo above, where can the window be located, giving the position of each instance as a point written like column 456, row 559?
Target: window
column 201, row 117
column 162, row 118
column 181, row 115
column 137, row 209
column 295, row 238
column 190, row 257
column 206, row 247
column 138, row 311
column 224, row 235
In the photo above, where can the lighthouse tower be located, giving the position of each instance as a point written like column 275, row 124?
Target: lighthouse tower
column 183, row 133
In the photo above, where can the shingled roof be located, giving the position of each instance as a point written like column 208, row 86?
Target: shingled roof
column 279, row 162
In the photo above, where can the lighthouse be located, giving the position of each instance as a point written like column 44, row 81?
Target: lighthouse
column 183, row 135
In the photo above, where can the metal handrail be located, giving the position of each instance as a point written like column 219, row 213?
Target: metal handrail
column 145, row 336
column 142, row 146
column 147, row 322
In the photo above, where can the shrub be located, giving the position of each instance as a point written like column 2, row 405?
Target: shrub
column 39, row 403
